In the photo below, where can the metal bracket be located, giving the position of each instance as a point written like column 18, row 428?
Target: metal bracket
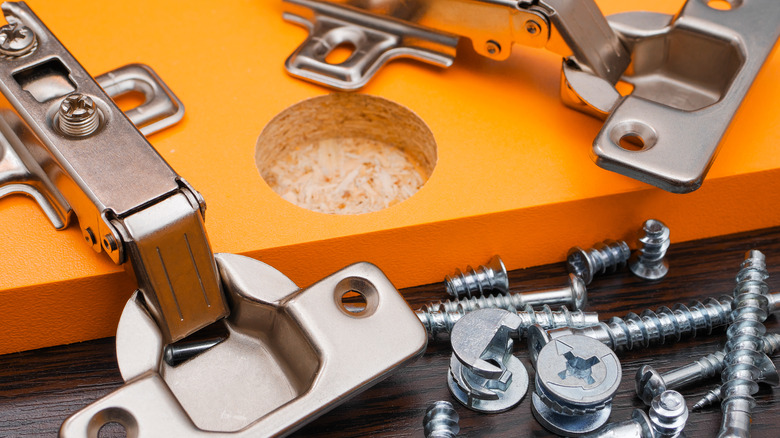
column 690, row 72
column 290, row 355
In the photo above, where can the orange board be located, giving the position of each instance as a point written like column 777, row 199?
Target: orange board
column 513, row 175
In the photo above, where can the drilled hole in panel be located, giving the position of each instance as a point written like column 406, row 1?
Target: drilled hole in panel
column 356, row 296
column 353, row 302
column 633, row 136
column 112, row 430
column 724, row 5
column 112, row 422
column 346, row 154
column 632, row 142
column 341, row 53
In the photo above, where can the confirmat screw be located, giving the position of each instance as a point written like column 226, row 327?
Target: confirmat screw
column 576, row 379
column 649, row 262
column 574, row 295
column 744, row 347
column 16, row 40
column 767, row 374
column 438, row 321
column 668, row 415
column 606, row 256
column 78, row 115
column 441, row 421
column 490, row 277
column 484, row 375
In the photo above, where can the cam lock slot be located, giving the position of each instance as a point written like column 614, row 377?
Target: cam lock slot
column 690, row 72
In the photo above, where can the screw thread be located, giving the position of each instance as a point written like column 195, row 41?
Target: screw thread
column 711, row 398
column 649, row 263
column 668, row 414
column 489, row 277
column 603, row 257
column 441, row 421
column 745, row 345
column 78, row 115
column 437, row 320
column 711, row 364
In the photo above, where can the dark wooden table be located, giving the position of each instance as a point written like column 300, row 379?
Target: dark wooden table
column 39, row 389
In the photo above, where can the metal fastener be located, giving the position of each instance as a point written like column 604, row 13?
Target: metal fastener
column 532, row 27
column 668, row 415
column 743, row 347
column 78, row 115
column 490, row 277
column 16, row 40
column 438, row 321
column 649, row 262
column 492, row 47
column 576, row 379
column 441, row 421
column 606, row 256
column 484, row 375
column 767, row 373
column 650, row 383
column 574, row 295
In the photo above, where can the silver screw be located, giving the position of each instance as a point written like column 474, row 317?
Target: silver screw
column 711, row 398
column 649, row 262
column 16, row 40
column 438, row 321
column 650, row 383
column 574, row 295
column 489, row 277
column 743, row 347
column 668, row 415
column 767, row 373
column 484, row 375
column 640, row 331
column 606, row 256
column 441, row 421
column 78, row 115
column 576, row 379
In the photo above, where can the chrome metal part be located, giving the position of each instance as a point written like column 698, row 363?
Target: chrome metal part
column 16, row 40
column 441, row 421
column 744, row 353
column 438, row 321
column 286, row 344
column 649, row 328
column 767, row 374
column 484, row 375
column 711, row 398
column 649, row 262
column 576, row 379
column 77, row 152
column 604, row 257
column 490, row 277
column 574, row 295
column 668, row 415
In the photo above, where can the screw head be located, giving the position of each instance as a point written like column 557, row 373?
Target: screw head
column 649, row 384
column 493, row 48
column 533, row 28
column 89, row 236
column 77, row 107
column 16, row 39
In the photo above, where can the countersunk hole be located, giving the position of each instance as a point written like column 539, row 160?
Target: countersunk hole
column 724, row 5
column 633, row 135
column 112, row 430
column 112, row 422
column 356, row 297
column 341, row 53
column 346, row 154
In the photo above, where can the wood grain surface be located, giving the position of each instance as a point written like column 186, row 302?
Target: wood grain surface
column 39, row 389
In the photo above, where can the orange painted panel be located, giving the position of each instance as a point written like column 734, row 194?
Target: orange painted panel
column 513, row 175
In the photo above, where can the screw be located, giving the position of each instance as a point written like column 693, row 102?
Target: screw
column 441, row 421
column 607, row 256
column 89, row 236
column 576, row 379
column 650, row 383
column 640, row 331
column 744, row 346
column 110, row 243
column 532, row 27
column 177, row 353
column 711, row 398
column 438, row 321
column 767, row 373
column 649, row 262
column 668, row 415
column 493, row 48
column 16, row 40
column 489, row 277
column 78, row 115
column 484, row 375
column 574, row 295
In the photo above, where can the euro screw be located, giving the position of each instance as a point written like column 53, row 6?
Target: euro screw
column 767, row 374
column 576, row 379
column 650, row 327
column 16, row 40
column 441, row 421
column 484, row 375
column 606, row 256
column 648, row 262
column 668, row 415
column 744, row 346
column 650, row 383
column 574, row 294
column 489, row 277
column 438, row 321
column 78, row 115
